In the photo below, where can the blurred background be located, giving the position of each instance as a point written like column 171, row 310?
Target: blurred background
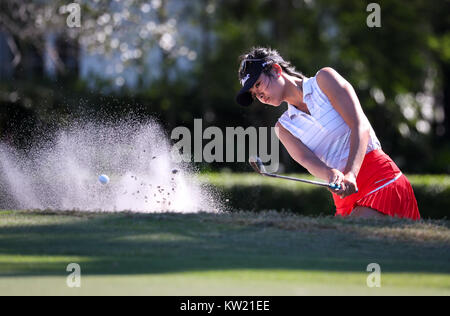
column 177, row 60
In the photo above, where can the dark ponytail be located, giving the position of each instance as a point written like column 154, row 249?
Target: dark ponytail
column 271, row 56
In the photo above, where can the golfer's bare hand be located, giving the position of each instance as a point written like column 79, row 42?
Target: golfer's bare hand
column 336, row 177
column 350, row 185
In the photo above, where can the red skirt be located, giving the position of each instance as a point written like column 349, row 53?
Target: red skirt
column 382, row 187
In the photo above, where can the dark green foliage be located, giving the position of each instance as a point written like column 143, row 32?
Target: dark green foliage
column 257, row 197
column 434, row 202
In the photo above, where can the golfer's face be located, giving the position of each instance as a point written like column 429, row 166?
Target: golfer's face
column 267, row 90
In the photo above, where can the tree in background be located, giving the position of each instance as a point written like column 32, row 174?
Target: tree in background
column 141, row 41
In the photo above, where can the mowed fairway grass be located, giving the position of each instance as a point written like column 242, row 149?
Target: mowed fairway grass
column 240, row 253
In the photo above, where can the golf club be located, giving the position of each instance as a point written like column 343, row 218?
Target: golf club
column 258, row 166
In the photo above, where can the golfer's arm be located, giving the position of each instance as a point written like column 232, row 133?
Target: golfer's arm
column 344, row 99
column 302, row 154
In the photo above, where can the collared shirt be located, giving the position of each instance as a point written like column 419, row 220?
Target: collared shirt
column 324, row 132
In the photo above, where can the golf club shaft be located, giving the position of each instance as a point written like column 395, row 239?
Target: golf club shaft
column 257, row 165
column 328, row 185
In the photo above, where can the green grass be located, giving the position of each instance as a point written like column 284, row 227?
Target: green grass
column 242, row 253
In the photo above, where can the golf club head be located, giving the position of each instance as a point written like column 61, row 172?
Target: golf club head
column 257, row 164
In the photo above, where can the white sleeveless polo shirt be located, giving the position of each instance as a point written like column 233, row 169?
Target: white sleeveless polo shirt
column 324, row 132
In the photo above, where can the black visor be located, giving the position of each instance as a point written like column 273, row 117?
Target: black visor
column 250, row 71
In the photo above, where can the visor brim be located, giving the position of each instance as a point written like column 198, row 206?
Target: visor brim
column 244, row 96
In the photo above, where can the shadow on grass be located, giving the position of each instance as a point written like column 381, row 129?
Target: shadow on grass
column 36, row 243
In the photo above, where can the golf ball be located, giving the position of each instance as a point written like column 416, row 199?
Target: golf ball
column 104, row 179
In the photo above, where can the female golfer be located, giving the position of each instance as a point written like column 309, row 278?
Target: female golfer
column 326, row 131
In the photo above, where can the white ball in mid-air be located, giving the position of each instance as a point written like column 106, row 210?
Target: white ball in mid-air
column 104, row 179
